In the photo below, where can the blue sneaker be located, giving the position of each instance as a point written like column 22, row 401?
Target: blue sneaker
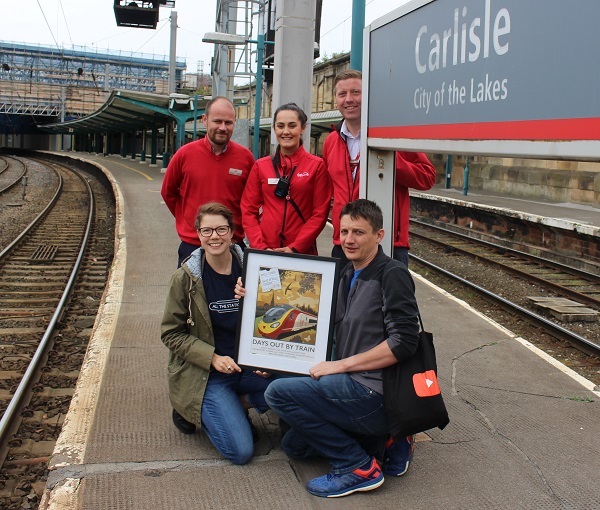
column 335, row 486
column 398, row 456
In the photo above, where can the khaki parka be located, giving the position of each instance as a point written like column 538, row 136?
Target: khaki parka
column 187, row 332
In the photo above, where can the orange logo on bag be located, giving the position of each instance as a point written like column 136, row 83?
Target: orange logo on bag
column 426, row 384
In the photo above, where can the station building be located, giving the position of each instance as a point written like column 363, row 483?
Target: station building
column 43, row 84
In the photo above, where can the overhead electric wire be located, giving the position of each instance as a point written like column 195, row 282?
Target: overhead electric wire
column 66, row 23
column 153, row 35
column 48, row 24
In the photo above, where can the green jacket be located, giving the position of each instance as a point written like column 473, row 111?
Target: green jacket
column 187, row 332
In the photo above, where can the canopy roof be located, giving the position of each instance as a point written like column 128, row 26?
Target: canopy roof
column 126, row 110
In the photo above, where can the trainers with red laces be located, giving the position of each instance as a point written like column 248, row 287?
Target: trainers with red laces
column 398, row 456
column 335, row 486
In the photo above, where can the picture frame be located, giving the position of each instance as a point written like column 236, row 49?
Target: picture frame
column 286, row 318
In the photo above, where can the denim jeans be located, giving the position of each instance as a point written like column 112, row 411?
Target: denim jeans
column 224, row 420
column 326, row 417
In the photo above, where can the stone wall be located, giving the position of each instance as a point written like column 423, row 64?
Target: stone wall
column 559, row 181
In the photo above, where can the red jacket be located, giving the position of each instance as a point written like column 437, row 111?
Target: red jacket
column 413, row 170
column 310, row 188
column 196, row 176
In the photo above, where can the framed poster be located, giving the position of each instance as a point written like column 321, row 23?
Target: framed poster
column 286, row 317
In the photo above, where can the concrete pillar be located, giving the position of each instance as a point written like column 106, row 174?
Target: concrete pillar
column 172, row 52
column 294, row 56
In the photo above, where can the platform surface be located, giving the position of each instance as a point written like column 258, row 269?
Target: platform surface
column 524, row 432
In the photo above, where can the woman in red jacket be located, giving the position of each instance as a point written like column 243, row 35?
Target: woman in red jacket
column 293, row 188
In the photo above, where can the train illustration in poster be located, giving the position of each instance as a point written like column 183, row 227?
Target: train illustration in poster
column 284, row 320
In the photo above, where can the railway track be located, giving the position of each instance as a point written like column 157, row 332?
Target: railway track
column 508, row 278
column 36, row 278
column 51, row 281
column 12, row 171
column 581, row 286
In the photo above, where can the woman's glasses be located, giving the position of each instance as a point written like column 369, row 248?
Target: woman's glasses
column 207, row 231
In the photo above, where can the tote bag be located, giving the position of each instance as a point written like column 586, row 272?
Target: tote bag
column 412, row 396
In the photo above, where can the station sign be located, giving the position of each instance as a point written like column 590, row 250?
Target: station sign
column 478, row 70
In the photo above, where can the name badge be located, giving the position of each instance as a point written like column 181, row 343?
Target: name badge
column 235, row 171
column 272, row 180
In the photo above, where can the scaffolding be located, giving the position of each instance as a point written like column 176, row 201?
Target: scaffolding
column 70, row 83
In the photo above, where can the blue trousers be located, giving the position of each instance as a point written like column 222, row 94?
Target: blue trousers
column 327, row 418
column 401, row 254
column 224, row 420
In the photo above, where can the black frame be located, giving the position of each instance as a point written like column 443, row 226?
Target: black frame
column 299, row 293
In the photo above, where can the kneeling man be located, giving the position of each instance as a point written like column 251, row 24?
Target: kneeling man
column 341, row 404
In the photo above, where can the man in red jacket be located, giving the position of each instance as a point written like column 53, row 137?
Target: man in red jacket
column 341, row 154
column 213, row 169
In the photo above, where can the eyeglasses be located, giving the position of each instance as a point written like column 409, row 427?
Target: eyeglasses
column 207, row 231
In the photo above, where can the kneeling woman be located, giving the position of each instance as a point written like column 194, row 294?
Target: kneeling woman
column 206, row 386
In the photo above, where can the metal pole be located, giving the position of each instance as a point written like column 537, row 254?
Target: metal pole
column 466, row 177
column 258, row 98
column 448, row 171
column 358, row 25
column 172, row 51
column 195, row 116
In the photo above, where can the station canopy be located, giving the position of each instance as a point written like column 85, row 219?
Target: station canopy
column 126, row 110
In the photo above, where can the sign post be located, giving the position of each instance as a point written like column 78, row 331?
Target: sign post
column 497, row 77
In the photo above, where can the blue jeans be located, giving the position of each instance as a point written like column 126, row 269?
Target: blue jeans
column 224, row 420
column 327, row 416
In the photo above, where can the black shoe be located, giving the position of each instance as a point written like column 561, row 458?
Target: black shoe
column 182, row 424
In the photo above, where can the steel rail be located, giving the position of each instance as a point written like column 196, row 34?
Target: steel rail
column 536, row 258
column 10, row 414
column 18, row 179
column 553, row 329
column 37, row 219
column 578, row 296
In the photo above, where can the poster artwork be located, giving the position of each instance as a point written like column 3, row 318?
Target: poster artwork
column 287, row 311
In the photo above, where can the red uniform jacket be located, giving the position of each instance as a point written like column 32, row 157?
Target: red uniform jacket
column 413, row 170
column 310, row 188
column 196, row 176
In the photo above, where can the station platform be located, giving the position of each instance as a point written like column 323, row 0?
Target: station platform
column 524, row 430
column 583, row 219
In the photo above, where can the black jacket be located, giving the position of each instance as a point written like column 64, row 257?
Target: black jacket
column 380, row 306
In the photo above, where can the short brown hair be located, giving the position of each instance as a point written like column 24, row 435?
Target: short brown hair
column 214, row 209
column 346, row 75
column 365, row 209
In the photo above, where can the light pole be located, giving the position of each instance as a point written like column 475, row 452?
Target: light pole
column 232, row 40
